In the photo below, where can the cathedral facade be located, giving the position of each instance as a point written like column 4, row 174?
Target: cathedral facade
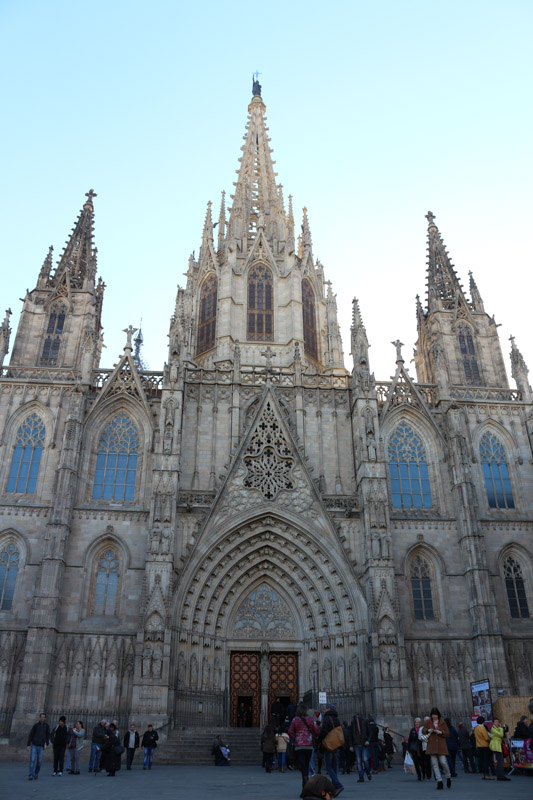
column 256, row 521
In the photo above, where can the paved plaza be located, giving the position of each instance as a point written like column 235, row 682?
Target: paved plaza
column 249, row 783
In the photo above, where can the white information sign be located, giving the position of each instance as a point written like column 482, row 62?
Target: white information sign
column 322, row 699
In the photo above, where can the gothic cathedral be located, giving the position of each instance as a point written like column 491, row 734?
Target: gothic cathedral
column 255, row 521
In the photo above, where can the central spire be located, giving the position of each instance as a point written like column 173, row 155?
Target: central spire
column 257, row 200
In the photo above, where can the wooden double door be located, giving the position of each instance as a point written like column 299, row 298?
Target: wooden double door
column 245, row 684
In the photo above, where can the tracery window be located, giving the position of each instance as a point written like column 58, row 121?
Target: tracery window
column 26, row 459
column 421, row 589
column 260, row 304
column 207, row 317
column 54, row 330
column 9, row 564
column 468, row 355
column 408, row 469
column 495, row 472
column 116, row 461
column 516, row 590
column 106, row 578
column 309, row 319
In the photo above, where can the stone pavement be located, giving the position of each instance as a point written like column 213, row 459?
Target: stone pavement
column 232, row 783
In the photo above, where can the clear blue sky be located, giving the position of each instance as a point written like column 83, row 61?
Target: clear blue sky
column 377, row 113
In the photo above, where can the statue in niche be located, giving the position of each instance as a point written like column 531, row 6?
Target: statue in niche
column 205, row 672
column 155, row 538
column 326, row 671
column 369, row 422
column 157, row 507
column 181, row 669
column 376, row 544
column 167, row 441
column 216, row 676
column 146, row 661
column 173, row 373
column 265, row 681
column 384, row 661
column 167, row 506
column 394, row 664
column 341, row 673
column 157, row 661
column 313, row 674
column 165, row 541
column 169, row 414
column 354, row 670
column 194, row 672
column 371, row 447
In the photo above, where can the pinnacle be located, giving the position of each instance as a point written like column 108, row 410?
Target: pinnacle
column 78, row 256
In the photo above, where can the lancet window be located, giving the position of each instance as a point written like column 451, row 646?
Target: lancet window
column 207, row 317
column 260, row 304
column 421, row 589
column 26, row 458
column 54, row 331
column 408, row 469
column 105, row 583
column 9, row 564
column 495, row 472
column 516, row 590
column 309, row 319
column 468, row 355
column 116, row 461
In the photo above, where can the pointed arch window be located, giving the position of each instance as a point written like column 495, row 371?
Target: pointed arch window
column 408, row 470
column 116, row 461
column 421, row 589
column 309, row 319
column 468, row 355
column 495, row 472
column 106, row 580
column 207, row 316
column 26, row 458
column 260, row 326
column 9, row 564
column 54, row 331
column 516, row 590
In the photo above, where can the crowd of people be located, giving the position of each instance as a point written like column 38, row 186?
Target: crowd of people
column 107, row 747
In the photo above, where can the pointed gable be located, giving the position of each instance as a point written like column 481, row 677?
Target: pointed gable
column 124, row 381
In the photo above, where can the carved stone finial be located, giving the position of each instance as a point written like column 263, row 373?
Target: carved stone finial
column 90, row 194
column 269, row 354
column 398, row 345
column 129, row 331
column 256, row 86
column 430, row 216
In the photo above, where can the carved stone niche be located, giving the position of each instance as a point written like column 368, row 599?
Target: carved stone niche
column 386, row 631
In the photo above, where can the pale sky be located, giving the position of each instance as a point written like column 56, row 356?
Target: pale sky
column 377, row 113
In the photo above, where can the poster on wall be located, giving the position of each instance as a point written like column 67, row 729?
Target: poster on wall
column 481, row 699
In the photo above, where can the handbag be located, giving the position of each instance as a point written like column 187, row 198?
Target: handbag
column 118, row 749
column 334, row 738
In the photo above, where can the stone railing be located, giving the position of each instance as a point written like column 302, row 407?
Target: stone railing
column 403, row 394
column 490, row 395
column 257, row 376
column 152, row 382
column 40, row 374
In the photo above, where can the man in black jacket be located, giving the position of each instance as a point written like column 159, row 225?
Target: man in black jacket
column 149, row 744
column 97, row 742
column 330, row 720
column 131, row 743
column 60, row 738
column 38, row 739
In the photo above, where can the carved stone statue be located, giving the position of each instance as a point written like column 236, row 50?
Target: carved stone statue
column 194, row 672
column 157, row 661
column 166, row 536
column 205, row 672
column 155, row 538
column 157, row 507
column 394, row 664
column 371, row 447
column 256, row 88
column 146, row 661
column 354, row 671
column 326, row 671
column 341, row 673
column 376, row 544
column 216, row 675
column 384, row 661
column 167, row 506
column 181, row 670
column 313, row 674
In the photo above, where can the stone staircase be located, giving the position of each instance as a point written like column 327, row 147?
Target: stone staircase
column 193, row 746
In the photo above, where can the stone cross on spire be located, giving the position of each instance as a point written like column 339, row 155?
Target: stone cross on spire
column 269, row 354
column 129, row 331
column 398, row 345
column 430, row 216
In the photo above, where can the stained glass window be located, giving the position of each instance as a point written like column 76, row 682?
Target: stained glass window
column 468, row 355
column 207, row 317
column 260, row 304
column 516, row 590
column 309, row 315
column 26, row 459
column 408, row 470
column 421, row 589
column 9, row 564
column 495, row 472
column 106, row 583
column 116, row 462
column 54, row 329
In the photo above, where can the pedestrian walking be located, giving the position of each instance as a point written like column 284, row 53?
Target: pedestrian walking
column 131, row 743
column 437, row 749
column 97, row 742
column 302, row 730
column 60, row 737
column 330, row 721
column 149, row 743
column 38, row 739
